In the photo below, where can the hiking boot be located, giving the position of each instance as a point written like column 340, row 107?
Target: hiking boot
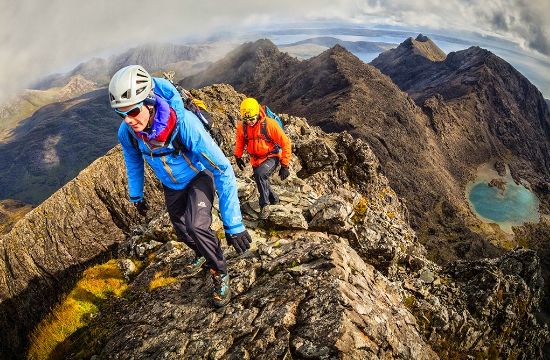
column 264, row 213
column 221, row 294
column 195, row 265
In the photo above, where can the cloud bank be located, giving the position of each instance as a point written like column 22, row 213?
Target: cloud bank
column 42, row 37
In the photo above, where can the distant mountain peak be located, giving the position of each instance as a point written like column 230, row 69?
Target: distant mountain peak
column 77, row 86
column 422, row 46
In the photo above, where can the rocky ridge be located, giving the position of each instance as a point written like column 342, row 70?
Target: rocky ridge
column 338, row 92
column 334, row 272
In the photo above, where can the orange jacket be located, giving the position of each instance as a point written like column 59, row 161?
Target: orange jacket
column 258, row 147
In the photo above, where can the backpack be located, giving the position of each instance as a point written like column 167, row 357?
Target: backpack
column 263, row 130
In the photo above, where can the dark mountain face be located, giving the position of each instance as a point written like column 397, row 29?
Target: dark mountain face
column 252, row 67
column 482, row 108
column 54, row 145
column 428, row 150
column 419, row 54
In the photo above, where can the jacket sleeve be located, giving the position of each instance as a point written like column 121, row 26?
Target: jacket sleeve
column 134, row 163
column 205, row 150
column 277, row 134
column 239, row 141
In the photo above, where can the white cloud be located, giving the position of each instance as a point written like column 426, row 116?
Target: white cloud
column 41, row 37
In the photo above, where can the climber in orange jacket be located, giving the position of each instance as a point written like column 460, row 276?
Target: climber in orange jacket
column 268, row 146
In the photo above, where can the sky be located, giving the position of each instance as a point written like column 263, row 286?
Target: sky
column 38, row 38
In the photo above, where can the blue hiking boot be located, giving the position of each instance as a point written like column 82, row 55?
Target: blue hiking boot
column 195, row 265
column 221, row 294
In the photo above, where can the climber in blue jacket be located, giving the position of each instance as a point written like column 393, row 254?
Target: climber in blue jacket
column 157, row 127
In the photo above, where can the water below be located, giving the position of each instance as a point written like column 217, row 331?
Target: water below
column 511, row 207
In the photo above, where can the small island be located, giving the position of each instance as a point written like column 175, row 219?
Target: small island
column 501, row 184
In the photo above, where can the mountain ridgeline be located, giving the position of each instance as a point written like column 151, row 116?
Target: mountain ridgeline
column 334, row 272
column 373, row 251
column 432, row 127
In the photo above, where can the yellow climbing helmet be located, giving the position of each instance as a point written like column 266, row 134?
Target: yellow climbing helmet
column 250, row 109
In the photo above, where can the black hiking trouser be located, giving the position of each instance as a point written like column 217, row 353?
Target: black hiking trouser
column 190, row 211
column 261, row 175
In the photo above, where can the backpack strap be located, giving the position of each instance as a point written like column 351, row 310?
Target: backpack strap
column 263, row 130
column 178, row 145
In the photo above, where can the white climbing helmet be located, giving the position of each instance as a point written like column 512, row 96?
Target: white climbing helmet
column 129, row 86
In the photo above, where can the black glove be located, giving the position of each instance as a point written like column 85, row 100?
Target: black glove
column 284, row 172
column 217, row 136
column 142, row 207
column 241, row 241
column 240, row 163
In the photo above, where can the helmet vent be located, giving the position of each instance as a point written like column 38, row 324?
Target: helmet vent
column 127, row 94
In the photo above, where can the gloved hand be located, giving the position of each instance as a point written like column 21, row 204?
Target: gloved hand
column 284, row 172
column 217, row 136
column 241, row 241
column 142, row 207
column 240, row 163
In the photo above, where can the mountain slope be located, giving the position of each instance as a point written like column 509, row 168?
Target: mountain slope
column 337, row 91
column 481, row 108
column 54, row 145
column 20, row 107
column 334, row 271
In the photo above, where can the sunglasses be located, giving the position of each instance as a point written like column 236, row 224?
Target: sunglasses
column 133, row 112
column 250, row 118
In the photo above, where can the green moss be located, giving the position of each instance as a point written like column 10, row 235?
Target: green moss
column 409, row 302
column 360, row 210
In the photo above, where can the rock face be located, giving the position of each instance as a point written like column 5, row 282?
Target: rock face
column 447, row 116
column 478, row 103
column 45, row 250
column 338, row 92
column 418, row 54
column 334, row 272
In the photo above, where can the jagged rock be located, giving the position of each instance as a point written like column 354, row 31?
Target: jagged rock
column 487, row 305
column 498, row 183
column 305, row 298
column 360, row 293
column 316, row 154
column 330, row 213
column 285, row 218
column 127, row 267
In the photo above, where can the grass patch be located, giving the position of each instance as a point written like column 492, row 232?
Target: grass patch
column 95, row 286
column 160, row 280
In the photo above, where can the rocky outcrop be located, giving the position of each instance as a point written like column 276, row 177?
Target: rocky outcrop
column 44, row 251
column 335, row 270
column 447, row 116
column 77, row 86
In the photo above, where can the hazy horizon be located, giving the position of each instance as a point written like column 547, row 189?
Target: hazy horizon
column 39, row 38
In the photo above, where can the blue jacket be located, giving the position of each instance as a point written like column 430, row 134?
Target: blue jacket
column 174, row 169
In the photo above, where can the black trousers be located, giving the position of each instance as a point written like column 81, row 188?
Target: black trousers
column 261, row 175
column 190, row 211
